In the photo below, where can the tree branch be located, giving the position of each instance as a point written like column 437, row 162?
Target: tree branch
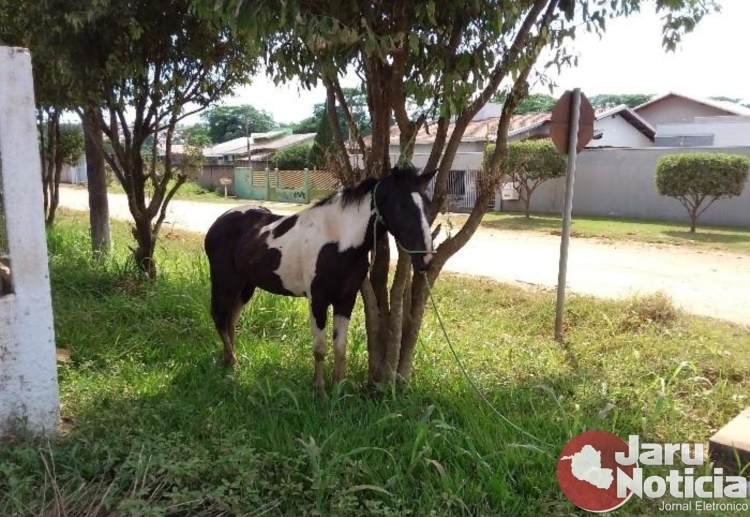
column 336, row 129
column 353, row 127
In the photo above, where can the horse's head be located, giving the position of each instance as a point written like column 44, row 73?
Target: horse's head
column 401, row 201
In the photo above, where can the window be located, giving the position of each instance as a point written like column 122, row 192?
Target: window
column 457, row 183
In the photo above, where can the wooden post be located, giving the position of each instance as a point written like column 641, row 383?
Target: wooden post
column 307, row 184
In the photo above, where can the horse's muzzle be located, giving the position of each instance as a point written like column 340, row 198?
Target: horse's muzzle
column 422, row 261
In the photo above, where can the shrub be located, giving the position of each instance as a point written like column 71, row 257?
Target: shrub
column 653, row 309
column 698, row 178
column 529, row 163
column 294, row 157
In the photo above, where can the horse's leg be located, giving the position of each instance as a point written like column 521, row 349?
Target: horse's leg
column 318, row 316
column 245, row 295
column 225, row 307
column 342, row 312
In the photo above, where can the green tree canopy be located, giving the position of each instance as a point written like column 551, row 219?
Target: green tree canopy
column 528, row 164
column 698, row 178
column 323, row 147
column 229, row 122
column 608, row 100
column 424, row 60
column 357, row 104
column 293, row 157
column 534, row 103
column 146, row 66
column 197, row 134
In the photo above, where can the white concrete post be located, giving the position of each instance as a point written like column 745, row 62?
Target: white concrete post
column 28, row 370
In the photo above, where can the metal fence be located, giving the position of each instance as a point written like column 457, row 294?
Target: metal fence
column 462, row 190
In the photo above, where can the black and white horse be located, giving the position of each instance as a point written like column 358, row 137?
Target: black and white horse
column 320, row 253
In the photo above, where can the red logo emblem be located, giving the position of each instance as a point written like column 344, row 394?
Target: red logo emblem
column 587, row 471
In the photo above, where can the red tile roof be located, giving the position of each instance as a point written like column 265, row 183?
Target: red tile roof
column 486, row 128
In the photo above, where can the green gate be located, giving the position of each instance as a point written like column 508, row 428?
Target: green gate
column 251, row 184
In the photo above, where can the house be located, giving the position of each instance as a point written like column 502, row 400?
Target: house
column 262, row 147
column 620, row 126
column 674, row 107
column 221, row 159
column 685, row 121
column 75, row 173
column 614, row 127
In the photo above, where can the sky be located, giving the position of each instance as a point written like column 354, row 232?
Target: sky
column 629, row 58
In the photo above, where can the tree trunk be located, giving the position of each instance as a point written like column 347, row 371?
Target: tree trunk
column 96, row 176
column 54, row 201
column 527, row 206
column 399, row 313
column 144, row 252
column 50, row 166
column 370, row 303
column 412, row 324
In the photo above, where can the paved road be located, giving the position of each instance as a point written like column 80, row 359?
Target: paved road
column 715, row 284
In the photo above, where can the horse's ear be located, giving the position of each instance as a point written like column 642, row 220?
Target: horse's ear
column 424, row 179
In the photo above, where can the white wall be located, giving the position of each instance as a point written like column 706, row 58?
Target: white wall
column 75, row 173
column 621, row 183
column 727, row 131
column 618, row 132
column 28, row 375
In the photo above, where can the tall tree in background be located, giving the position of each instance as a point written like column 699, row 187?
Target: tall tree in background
column 534, row 103
column 101, row 238
column 323, row 146
column 146, row 63
column 356, row 100
column 61, row 83
column 229, row 122
column 60, row 145
column 450, row 58
column 733, row 100
column 197, row 134
column 607, row 100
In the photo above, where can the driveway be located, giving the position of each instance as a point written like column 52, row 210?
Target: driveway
column 715, row 283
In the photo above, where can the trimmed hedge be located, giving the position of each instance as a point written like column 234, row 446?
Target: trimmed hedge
column 698, row 178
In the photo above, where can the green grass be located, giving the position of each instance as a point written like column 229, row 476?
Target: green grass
column 153, row 425
column 712, row 237
column 189, row 191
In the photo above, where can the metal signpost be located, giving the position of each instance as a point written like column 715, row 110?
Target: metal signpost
column 571, row 128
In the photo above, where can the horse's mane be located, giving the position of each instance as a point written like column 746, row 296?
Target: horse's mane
column 350, row 195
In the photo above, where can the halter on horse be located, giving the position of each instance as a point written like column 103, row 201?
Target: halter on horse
column 320, row 253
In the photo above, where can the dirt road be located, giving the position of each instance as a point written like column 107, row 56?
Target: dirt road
column 714, row 283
